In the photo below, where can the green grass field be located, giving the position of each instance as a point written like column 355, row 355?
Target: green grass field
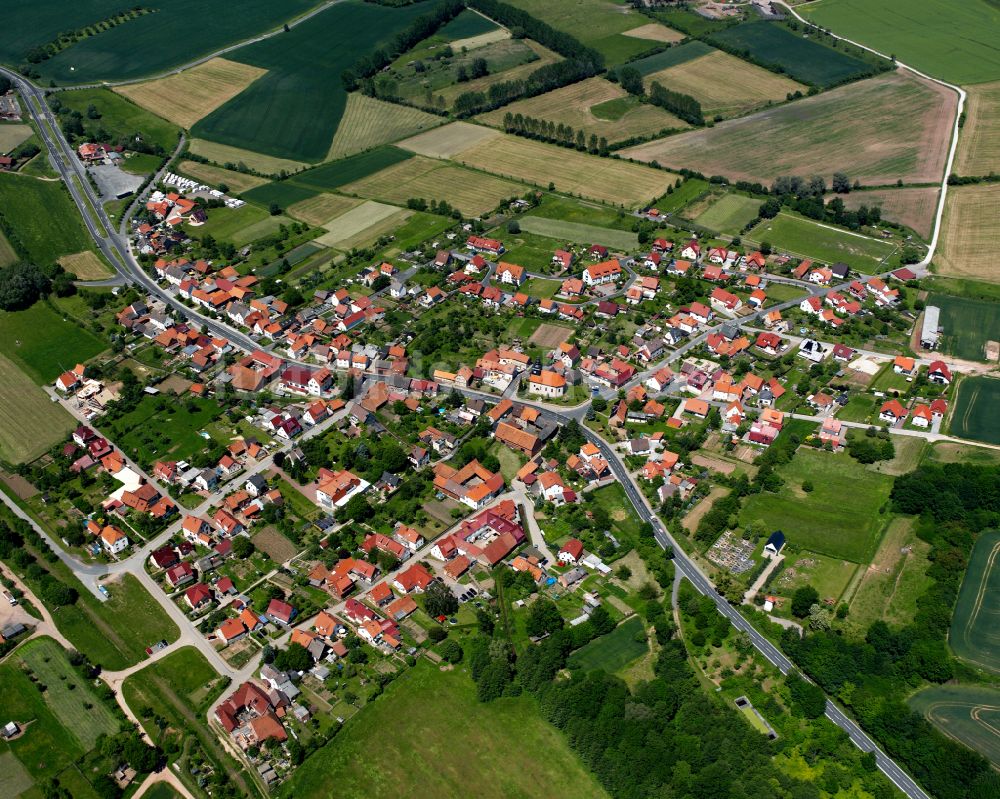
column 444, row 744
column 348, row 170
column 43, row 344
column 543, row 289
column 465, row 25
column 803, row 237
column 729, row 214
column 580, row 233
column 671, row 57
column 70, row 698
column 825, row 520
column 581, row 211
column 829, row 576
column 281, row 192
column 136, row 48
column 973, row 413
column 293, row 110
column 801, row 58
column 30, row 422
column 967, row 323
column 28, row 205
column 969, row 714
column 624, row 519
column 119, row 118
column 614, row 651
column 953, row 41
column 148, row 433
column 690, row 190
column 975, row 632
column 532, row 252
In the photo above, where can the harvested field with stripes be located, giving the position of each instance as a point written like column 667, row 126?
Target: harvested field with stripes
column 368, row 221
column 979, row 142
column 223, row 154
column 969, row 230
column 215, row 175
column 368, row 123
column 322, row 208
column 911, row 207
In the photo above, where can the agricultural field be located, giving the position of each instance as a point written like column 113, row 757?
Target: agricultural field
column 967, row 324
column 804, row 237
column 448, row 141
column 671, row 57
column 969, row 714
column 364, row 223
column 120, row 118
column 799, row 56
column 820, row 521
column 28, row 204
column 899, row 128
column 975, row 632
column 437, row 723
column 282, row 192
column 293, row 111
column 655, row 32
column 216, row 176
column 322, row 208
column 913, row 207
column 571, row 172
column 944, row 39
column 467, row 25
column 186, row 97
column 230, row 224
column 425, row 178
column 979, row 141
column 135, row 49
column 369, row 123
column 680, row 197
column 729, row 214
column 969, row 233
column 85, row 265
column 11, row 135
column 892, row 582
column 595, row 106
column 43, row 343
column 347, row 170
column 614, row 651
column 580, row 233
column 597, row 23
column 29, row 422
column 724, row 85
column 224, row 155
column 973, row 413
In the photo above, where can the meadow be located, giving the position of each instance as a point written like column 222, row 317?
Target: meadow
column 43, row 343
column 973, row 413
column 726, row 86
column 150, row 433
column 829, row 576
column 216, row 176
column 531, row 251
column 614, row 651
column 803, row 237
column 11, row 135
column 595, row 106
column 135, row 49
column 969, row 233
column 681, row 196
column 802, row 58
column 186, row 97
column 86, row 265
column 953, row 41
column 29, row 422
column 596, row 23
column 28, row 204
column 8, row 255
column 120, row 118
column 967, row 324
column 368, row 123
column 913, row 207
column 229, row 224
column 578, row 233
column 437, row 723
column 899, row 128
column 293, row 110
column 979, row 142
column 821, row 521
column 975, row 632
column 729, row 214
column 969, row 714
column 569, row 171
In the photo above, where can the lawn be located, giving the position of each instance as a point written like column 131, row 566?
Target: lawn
column 890, row 586
column 969, row 714
column 581, row 233
column 43, row 343
column 188, row 28
column 532, row 252
column 120, row 118
column 582, row 211
column 953, row 41
column 614, row 651
column 825, row 520
column 163, row 425
column 542, row 289
column 973, row 414
column 729, row 214
column 900, row 128
column 293, row 111
column 624, row 519
column 803, row 58
column 70, row 698
column 974, row 634
column 28, row 204
column 29, row 422
column 444, row 744
column 419, row 228
column 804, row 237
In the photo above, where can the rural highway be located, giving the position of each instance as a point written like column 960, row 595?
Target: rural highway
column 115, row 247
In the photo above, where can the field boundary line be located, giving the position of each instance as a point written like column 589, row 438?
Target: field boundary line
column 959, row 110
